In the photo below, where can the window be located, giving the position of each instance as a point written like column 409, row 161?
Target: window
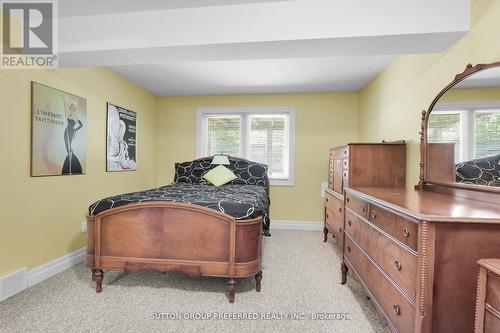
column 487, row 133
column 445, row 127
column 474, row 129
column 262, row 135
column 223, row 135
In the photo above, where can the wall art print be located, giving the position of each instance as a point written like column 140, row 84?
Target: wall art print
column 58, row 132
column 121, row 139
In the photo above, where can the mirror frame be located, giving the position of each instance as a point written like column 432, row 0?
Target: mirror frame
column 424, row 153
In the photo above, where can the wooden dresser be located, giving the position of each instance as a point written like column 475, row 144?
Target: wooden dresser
column 488, row 297
column 443, row 167
column 415, row 253
column 353, row 165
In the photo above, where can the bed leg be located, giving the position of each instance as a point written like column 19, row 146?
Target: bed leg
column 98, row 276
column 344, row 269
column 231, row 287
column 93, row 273
column 258, row 278
column 325, row 232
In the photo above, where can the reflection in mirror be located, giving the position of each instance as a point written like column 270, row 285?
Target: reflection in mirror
column 464, row 132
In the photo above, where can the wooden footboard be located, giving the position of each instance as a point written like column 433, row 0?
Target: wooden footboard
column 170, row 236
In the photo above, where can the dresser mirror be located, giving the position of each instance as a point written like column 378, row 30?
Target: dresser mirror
column 461, row 132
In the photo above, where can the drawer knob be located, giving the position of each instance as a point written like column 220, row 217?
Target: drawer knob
column 327, row 215
column 347, row 199
column 363, row 209
column 397, row 309
column 406, row 232
column 348, row 249
column 397, row 265
column 374, row 215
column 340, row 210
column 326, row 199
column 349, row 222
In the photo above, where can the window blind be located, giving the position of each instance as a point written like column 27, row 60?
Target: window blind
column 487, row 133
column 267, row 143
column 445, row 128
column 223, row 135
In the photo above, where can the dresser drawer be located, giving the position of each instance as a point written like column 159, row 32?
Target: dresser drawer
column 400, row 228
column 399, row 264
column 356, row 204
column 337, row 176
column 334, row 203
column 341, row 152
column 335, row 225
column 345, row 179
column 329, row 219
column 330, row 180
column 330, row 169
column 399, row 311
column 345, row 164
column 493, row 291
column 334, row 217
column 334, row 221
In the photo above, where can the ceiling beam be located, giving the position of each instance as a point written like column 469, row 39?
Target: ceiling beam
column 289, row 29
column 319, row 48
column 69, row 8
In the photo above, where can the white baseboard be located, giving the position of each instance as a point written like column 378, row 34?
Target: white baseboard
column 297, row 225
column 15, row 282
column 55, row 266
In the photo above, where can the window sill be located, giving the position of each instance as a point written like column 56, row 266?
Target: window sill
column 281, row 182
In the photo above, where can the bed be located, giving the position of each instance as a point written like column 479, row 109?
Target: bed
column 188, row 226
column 481, row 171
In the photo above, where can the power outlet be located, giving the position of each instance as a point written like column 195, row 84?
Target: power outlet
column 84, row 227
column 324, row 186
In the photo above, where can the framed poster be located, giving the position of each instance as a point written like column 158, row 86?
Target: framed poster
column 58, row 132
column 121, row 139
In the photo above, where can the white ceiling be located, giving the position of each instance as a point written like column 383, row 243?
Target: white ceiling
column 489, row 78
column 256, row 76
column 196, row 47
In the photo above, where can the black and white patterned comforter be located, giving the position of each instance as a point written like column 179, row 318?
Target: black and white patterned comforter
column 480, row 171
column 239, row 201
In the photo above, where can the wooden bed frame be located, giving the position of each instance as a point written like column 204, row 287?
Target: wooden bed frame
column 170, row 236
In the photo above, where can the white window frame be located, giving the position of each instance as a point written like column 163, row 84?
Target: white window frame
column 202, row 115
column 467, row 122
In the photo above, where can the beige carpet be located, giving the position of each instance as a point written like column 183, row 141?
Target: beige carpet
column 301, row 277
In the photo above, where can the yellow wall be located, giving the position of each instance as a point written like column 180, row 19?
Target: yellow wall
column 390, row 105
column 322, row 121
column 41, row 217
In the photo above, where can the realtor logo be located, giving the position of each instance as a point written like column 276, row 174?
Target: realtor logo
column 29, row 34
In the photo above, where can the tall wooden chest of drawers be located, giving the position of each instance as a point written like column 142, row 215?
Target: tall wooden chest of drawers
column 360, row 164
column 415, row 253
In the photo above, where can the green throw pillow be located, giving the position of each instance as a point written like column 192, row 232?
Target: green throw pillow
column 219, row 175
